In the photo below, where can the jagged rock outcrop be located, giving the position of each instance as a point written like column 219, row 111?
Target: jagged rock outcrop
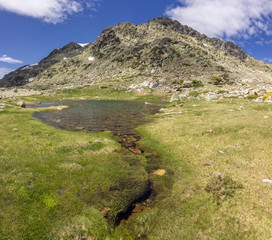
column 229, row 47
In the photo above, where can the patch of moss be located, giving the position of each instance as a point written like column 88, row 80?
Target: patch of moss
column 220, row 68
column 197, row 83
column 194, row 94
column 216, row 80
column 94, row 146
column 225, row 76
column 177, row 81
column 252, row 97
column 222, row 91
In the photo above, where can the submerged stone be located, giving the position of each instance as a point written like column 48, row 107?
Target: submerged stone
column 138, row 208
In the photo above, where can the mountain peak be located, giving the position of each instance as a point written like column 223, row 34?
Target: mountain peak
column 161, row 48
column 164, row 21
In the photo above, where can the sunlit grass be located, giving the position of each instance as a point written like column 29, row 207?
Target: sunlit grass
column 238, row 147
column 94, row 92
column 54, row 183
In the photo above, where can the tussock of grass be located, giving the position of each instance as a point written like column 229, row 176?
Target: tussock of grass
column 252, row 97
column 222, row 188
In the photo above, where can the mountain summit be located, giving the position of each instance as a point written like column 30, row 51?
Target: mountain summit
column 161, row 52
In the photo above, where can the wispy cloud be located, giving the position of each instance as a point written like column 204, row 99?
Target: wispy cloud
column 267, row 60
column 221, row 18
column 4, row 71
column 7, row 59
column 262, row 42
column 51, row 11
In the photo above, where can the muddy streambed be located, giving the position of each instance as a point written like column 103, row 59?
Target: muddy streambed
column 121, row 118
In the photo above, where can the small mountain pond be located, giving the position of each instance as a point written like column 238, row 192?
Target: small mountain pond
column 119, row 117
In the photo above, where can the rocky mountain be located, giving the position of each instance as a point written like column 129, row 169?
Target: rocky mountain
column 27, row 73
column 161, row 54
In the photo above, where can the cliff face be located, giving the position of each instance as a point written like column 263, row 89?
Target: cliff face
column 162, row 51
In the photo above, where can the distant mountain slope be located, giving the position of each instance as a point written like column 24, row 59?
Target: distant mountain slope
column 161, row 52
column 27, row 73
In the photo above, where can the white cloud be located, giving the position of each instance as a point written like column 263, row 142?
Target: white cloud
column 7, row 59
column 51, row 11
column 4, row 71
column 221, row 18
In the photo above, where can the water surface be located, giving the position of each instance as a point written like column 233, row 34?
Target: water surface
column 120, row 117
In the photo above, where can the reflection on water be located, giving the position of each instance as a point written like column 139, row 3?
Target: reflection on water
column 120, row 117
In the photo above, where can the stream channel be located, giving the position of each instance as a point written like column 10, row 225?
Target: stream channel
column 119, row 117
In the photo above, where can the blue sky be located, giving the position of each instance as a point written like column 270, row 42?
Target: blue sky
column 31, row 29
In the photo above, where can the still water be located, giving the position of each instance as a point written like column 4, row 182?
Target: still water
column 120, row 117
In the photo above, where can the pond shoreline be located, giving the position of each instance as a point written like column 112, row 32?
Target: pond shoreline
column 129, row 140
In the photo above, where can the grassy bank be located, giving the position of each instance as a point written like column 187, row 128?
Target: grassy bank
column 94, row 92
column 220, row 153
column 56, row 184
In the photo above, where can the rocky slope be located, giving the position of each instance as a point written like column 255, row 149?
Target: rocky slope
column 27, row 73
column 161, row 54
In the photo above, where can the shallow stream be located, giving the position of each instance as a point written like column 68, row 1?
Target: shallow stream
column 119, row 117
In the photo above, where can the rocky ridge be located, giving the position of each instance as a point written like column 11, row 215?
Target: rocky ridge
column 28, row 73
column 160, row 55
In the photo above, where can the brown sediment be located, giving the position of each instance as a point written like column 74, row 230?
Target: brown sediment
column 130, row 142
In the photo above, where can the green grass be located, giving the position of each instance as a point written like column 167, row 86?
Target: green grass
column 93, row 92
column 197, row 83
column 55, row 183
column 194, row 94
column 200, row 205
